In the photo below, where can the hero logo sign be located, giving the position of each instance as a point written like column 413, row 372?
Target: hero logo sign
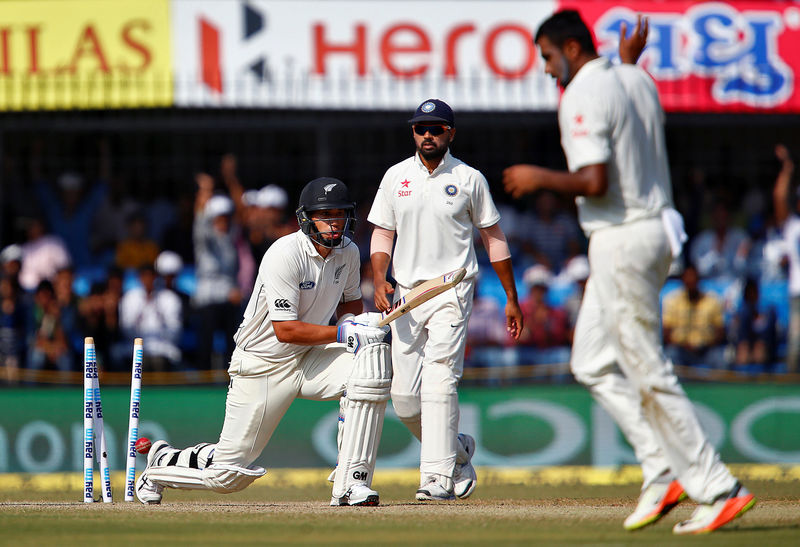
column 211, row 44
column 738, row 50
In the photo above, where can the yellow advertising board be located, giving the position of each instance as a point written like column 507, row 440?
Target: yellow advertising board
column 85, row 54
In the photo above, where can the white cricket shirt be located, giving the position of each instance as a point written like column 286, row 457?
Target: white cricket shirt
column 433, row 215
column 295, row 283
column 611, row 114
column 791, row 237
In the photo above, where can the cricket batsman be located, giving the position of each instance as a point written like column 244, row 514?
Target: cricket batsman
column 287, row 349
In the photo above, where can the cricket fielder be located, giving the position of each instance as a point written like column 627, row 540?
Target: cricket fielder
column 613, row 137
column 285, row 349
column 432, row 202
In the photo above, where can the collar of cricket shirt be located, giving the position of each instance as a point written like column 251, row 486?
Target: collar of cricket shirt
column 601, row 63
column 446, row 160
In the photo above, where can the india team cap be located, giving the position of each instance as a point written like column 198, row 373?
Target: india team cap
column 434, row 110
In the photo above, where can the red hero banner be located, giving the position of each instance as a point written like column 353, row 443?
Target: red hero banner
column 710, row 56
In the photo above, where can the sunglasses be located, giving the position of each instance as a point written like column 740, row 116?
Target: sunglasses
column 434, row 130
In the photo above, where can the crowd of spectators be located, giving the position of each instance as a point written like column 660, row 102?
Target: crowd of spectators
column 96, row 261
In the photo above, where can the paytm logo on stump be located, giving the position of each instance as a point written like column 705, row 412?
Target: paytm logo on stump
column 737, row 49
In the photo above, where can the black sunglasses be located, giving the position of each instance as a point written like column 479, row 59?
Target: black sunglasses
column 434, row 130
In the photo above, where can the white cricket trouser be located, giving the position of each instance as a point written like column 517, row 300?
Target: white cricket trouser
column 428, row 346
column 256, row 403
column 617, row 354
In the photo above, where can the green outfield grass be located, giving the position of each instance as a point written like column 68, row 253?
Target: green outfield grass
column 276, row 512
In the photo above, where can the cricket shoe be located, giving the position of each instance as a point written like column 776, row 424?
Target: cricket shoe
column 464, row 476
column 710, row 516
column 655, row 501
column 434, row 491
column 149, row 492
column 358, row 494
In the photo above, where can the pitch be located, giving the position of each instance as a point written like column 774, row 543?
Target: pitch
column 274, row 512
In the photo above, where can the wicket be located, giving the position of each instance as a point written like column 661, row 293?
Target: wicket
column 133, row 419
column 94, row 431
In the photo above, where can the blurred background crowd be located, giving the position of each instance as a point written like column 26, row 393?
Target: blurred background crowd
column 93, row 253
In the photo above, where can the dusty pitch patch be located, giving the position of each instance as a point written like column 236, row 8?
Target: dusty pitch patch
column 778, row 511
column 566, row 508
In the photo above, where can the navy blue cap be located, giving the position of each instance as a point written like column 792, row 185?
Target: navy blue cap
column 434, row 110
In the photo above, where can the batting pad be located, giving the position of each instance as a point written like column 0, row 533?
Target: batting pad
column 222, row 478
column 363, row 407
column 439, row 405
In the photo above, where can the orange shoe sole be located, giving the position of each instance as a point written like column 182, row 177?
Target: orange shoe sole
column 674, row 495
column 734, row 508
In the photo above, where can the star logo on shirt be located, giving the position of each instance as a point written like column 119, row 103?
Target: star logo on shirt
column 405, row 183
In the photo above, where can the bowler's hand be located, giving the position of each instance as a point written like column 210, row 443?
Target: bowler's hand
column 631, row 47
column 382, row 289
column 514, row 322
column 522, row 179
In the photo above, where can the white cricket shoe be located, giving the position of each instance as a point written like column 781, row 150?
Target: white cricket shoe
column 434, row 491
column 655, row 501
column 710, row 516
column 149, row 492
column 464, row 476
column 358, row 494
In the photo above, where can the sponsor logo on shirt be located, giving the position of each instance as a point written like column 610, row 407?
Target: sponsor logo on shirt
column 305, row 285
column 282, row 304
column 338, row 273
column 578, row 129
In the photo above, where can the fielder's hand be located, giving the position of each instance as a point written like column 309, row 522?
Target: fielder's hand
column 382, row 289
column 356, row 335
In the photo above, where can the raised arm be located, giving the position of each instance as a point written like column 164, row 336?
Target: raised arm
column 631, row 47
column 780, row 192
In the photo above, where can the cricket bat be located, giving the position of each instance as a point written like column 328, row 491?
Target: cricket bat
column 421, row 294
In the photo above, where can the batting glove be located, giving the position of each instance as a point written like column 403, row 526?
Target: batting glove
column 355, row 335
column 371, row 319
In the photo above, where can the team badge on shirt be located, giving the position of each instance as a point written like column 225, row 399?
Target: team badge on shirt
column 451, row 190
column 338, row 273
